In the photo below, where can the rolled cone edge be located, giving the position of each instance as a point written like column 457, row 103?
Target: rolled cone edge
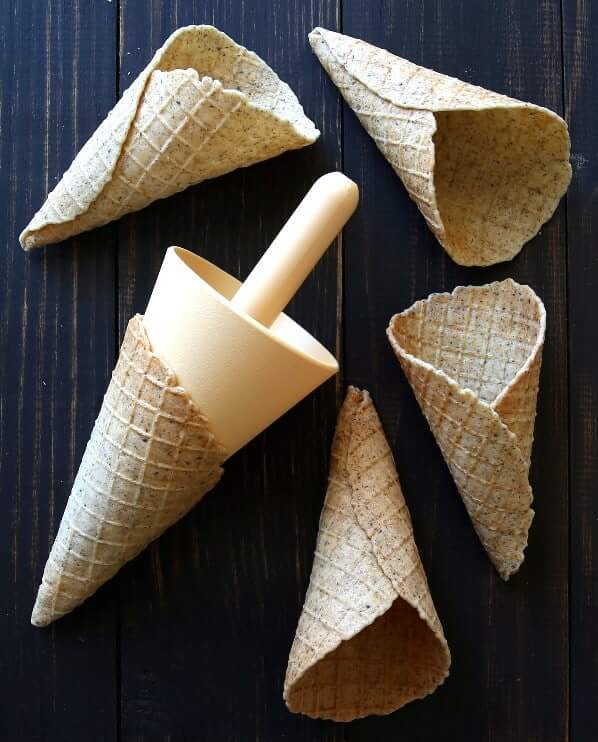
column 150, row 458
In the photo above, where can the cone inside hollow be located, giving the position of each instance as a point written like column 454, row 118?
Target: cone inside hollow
column 209, row 367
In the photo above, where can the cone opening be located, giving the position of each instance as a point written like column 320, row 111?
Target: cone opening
column 394, row 660
column 106, row 180
column 499, row 175
column 238, row 69
column 480, row 337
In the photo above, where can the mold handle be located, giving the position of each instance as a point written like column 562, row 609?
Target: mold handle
column 299, row 245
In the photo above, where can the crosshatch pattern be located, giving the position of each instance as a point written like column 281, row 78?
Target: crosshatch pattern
column 173, row 128
column 369, row 639
column 150, row 458
column 470, row 356
column 485, row 170
column 231, row 577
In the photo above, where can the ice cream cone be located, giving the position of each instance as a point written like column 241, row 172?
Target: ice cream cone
column 211, row 364
column 150, row 458
column 486, row 171
column 369, row 639
column 152, row 454
column 473, row 361
column 202, row 107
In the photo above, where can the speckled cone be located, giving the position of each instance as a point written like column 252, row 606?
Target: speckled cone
column 369, row 639
column 202, row 107
column 486, row 171
column 150, row 458
column 473, row 360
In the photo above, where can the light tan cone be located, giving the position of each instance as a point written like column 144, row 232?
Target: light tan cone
column 473, row 360
column 150, row 458
column 202, row 107
column 486, row 171
column 369, row 639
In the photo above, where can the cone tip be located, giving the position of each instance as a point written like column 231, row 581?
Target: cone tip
column 324, row 33
column 314, row 35
column 357, row 395
column 27, row 239
column 40, row 616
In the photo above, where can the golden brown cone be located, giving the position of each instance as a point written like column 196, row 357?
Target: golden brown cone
column 369, row 639
column 473, row 360
column 150, row 458
column 202, row 107
column 485, row 170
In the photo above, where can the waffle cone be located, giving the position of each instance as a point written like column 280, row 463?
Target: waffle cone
column 369, row 639
column 473, row 361
column 150, row 458
column 203, row 106
column 486, row 171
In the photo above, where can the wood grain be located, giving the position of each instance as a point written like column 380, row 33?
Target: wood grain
column 231, row 577
column 57, row 350
column 508, row 640
column 580, row 25
column 191, row 640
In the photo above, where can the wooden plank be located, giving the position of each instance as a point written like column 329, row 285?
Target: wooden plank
column 57, row 321
column 580, row 25
column 209, row 611
column 509, row 641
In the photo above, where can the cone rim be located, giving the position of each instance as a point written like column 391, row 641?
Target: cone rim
column 458, row 290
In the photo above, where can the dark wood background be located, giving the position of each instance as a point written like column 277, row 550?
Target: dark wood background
column 191, row 640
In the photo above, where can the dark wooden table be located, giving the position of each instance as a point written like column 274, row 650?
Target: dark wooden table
column 191, row 640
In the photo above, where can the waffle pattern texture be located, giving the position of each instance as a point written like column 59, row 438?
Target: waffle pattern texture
column 150, row 458
column 473, row 360
column 202, row 107
column 368, row 639
column 486, row 171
